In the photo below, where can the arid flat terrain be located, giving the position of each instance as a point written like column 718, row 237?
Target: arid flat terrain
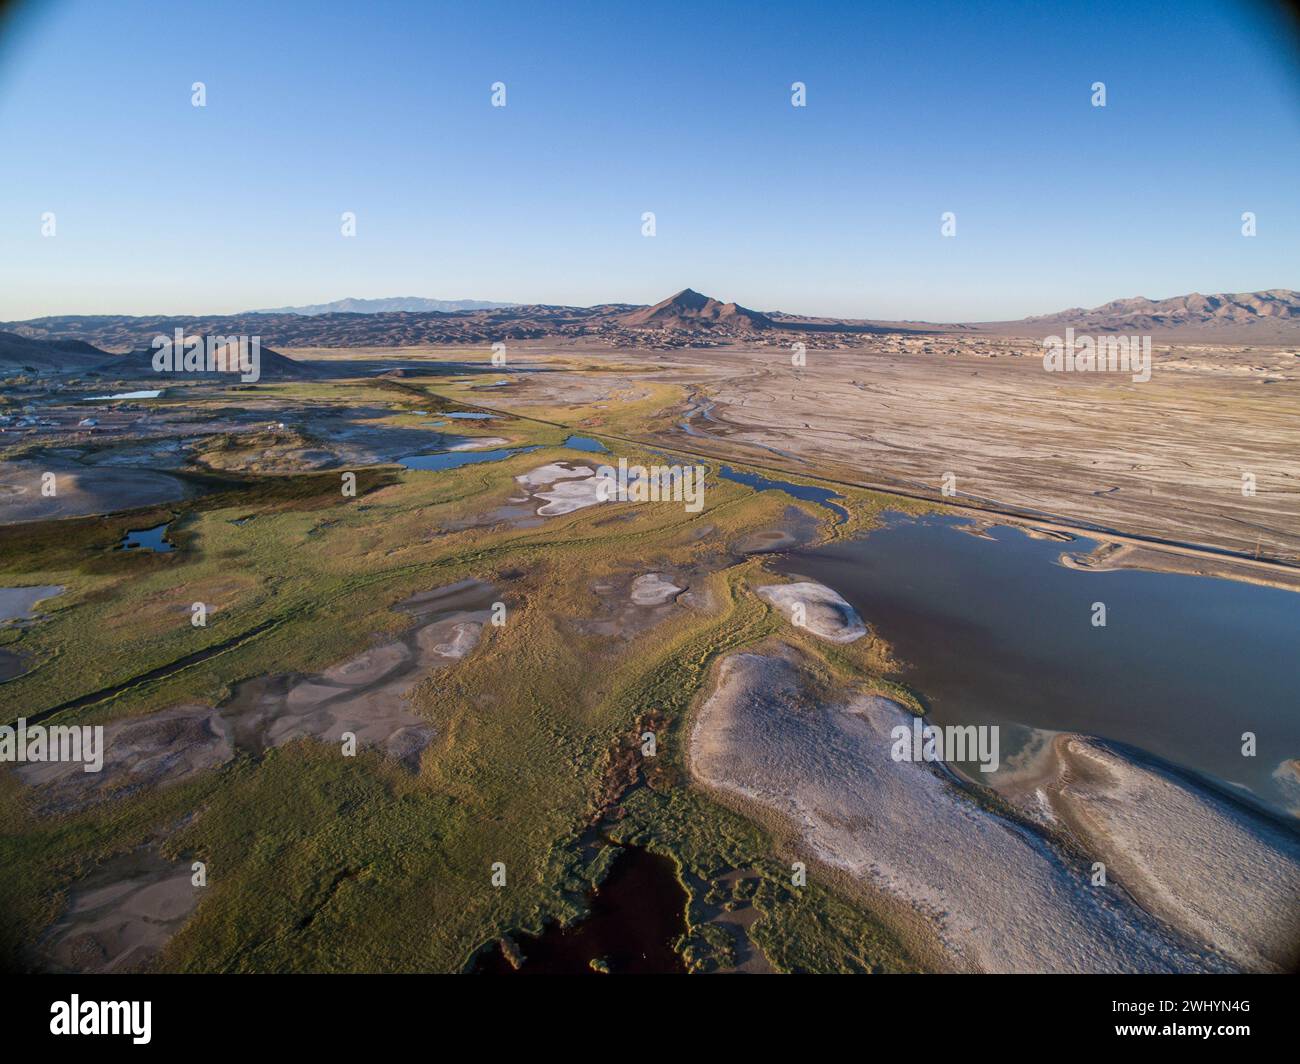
column 1165, row 458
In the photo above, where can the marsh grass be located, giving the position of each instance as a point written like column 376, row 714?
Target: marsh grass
column 324, row 863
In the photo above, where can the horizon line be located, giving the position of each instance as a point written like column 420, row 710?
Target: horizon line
column 510, row 304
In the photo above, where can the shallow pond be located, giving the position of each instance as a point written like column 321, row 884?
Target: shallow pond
column 18, row 603
column 150, row 539
column 586, row 443
column 636, row 915
column 798, row 491
column 455, row 459
column 145, row 394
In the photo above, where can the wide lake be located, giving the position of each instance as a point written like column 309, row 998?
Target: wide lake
column 994, row 630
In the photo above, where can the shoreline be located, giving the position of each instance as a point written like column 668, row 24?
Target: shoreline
column 746, row 742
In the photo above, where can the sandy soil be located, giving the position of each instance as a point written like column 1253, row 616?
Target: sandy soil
column 631, row 604
column 79, row 491
column 825, row 613
column 158, row 750
column 1201, row 863
column 1002, row 898
column 1118, row 555
column 750, row 960
column 564, row 487
column 1287, row 775
column 119, row 917
column 654, row 589
column 795, row 530
column 366, row 695
column 474, row 443
column 1162, row 459
column 123, row 913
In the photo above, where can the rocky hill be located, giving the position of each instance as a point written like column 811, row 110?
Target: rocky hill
column 23, row 354
column 689, row 310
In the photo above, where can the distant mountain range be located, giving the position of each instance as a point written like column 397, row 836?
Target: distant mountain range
column 686, row 319
column 384, row 306
column 1277, row 305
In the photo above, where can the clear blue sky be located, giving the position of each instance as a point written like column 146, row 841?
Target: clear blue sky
column 614, row 109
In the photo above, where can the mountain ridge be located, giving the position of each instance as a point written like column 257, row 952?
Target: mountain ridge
column 389, row 304
column 22, row 354
column 686, row 319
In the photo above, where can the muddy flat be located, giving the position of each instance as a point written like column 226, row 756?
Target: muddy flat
column 366, row 696
column 78, row 491
column 1163, row 458
column 120, row 917
column 1204, row 864
column 1002, row 898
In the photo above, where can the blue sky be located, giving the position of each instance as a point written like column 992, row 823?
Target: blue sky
column 614, row 109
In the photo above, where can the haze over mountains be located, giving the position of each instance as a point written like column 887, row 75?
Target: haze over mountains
column 1226, row 312
column 383, row 306
column 686, row 319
